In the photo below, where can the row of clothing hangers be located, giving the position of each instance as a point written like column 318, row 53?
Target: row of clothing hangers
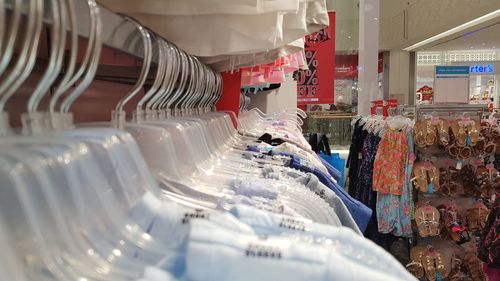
column 73, row 189
column 102, row 201
column 378, row 124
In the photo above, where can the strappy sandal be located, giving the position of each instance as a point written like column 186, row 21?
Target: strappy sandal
column 482, row 176
column 456, row 266
column 459, row 133
column 480, row 145
column 453, row 150
column 443, row 233
column 454, row 226
column 443, row 132
column 430, row 138
column 465, row 152
column 420, row 133
column 433, row 173
column 490, row 148
column 453, row 185
column 475, row 267
column 430, row 267
column 415, row 267
column 468, row 177
column 435, row 265
column 476, row 217
column 474, row 132
column 439, row 261
column 444, row 179
column 427, row 219
column 420, row 177
column 460, row 276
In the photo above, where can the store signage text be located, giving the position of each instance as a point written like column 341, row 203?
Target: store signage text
column 488, row 68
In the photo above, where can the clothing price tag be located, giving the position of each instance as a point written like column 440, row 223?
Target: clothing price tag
column 434, row 120
column 460, row 164
column 360, row 155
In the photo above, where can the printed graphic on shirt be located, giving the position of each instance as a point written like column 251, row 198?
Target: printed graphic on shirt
column 294, row 224
column 263, row 251
column 197, row 214
column 321, row 193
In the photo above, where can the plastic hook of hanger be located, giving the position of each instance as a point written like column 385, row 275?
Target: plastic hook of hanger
column 119, row 114
column 160, row 74
column 70, row 78
column 33, row 121
column 2, row 25
column 94, row 61
column 189, row 90
column 171, row 76
column 27, row 56
column 58, row 42
column 198, row 90
column 8, row 50
column 170, row 99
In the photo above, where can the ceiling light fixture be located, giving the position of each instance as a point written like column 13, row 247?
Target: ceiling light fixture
column 456, row 29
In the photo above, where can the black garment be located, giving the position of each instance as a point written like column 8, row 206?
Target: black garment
column 319, row 143
column 268, row 138
column 313, row 141
column 324, row 146
column 258, row 89
column 353, row 161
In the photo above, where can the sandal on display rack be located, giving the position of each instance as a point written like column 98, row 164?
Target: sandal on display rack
column 427, row 219
column 415, row 266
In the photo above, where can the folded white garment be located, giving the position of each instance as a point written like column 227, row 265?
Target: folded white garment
column 197, row 7
column 196, row 31
column 234, row 62
column 212, row 35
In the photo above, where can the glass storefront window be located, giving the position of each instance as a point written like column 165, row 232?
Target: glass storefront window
column 482, row 86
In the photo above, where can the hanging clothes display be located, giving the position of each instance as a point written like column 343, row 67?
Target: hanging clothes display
column 379, row 162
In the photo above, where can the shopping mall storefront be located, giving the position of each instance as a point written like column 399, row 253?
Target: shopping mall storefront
column 483, row 79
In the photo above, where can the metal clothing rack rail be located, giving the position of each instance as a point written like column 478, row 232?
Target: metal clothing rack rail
column 451, row 110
